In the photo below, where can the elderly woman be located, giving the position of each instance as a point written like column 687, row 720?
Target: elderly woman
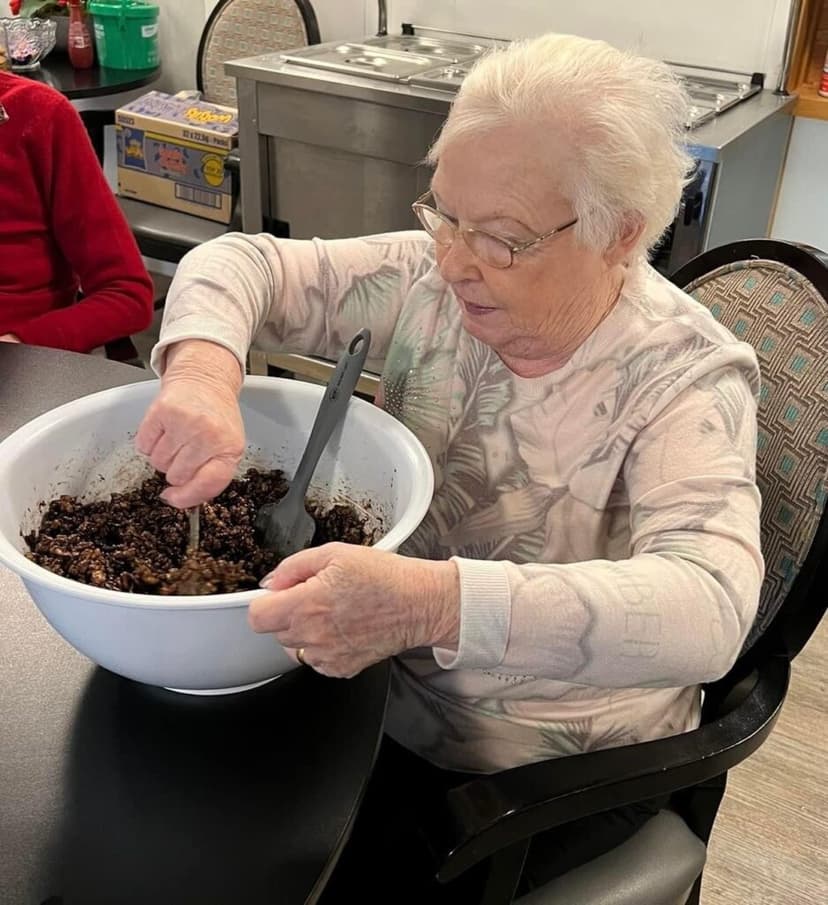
column 591, row 554
column 71, row 275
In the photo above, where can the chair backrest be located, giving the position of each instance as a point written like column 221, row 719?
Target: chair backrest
column 246, row 28
column 773, row 295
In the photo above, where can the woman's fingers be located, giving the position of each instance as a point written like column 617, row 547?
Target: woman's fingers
column 165, row 450
column 298, row 568
column 193, row 433
column 189, row 458
column 207, row 482
column 149, row 433
column 274, row 613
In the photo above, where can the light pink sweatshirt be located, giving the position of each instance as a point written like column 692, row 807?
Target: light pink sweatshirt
column 604, row 518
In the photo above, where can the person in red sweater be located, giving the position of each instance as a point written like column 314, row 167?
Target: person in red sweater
column 71, row 275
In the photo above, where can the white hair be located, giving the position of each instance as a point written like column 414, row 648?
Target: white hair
column 621, row 115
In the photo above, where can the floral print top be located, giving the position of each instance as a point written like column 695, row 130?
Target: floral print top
column 604, row 518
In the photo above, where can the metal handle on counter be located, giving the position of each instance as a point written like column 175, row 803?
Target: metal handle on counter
column 410, row 28
column 787, row 52
column 709, row 68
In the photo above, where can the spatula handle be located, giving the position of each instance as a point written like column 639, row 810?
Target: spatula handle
column 332, row 409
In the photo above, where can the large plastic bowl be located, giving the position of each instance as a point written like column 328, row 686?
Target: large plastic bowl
column 196, row 644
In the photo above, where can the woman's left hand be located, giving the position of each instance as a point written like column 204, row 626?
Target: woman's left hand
column 9, row 338
column 347, row 607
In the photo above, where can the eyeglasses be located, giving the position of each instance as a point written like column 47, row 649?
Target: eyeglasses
column 490, row 249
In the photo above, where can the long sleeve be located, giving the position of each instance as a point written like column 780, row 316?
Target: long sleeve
column 93, row 236
column 677, row 611
column 306, row 296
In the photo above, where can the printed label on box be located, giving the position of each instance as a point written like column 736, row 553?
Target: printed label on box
column 170, row 159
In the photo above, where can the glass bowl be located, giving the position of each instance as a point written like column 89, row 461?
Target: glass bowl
column 4, row 52
column 28, row 41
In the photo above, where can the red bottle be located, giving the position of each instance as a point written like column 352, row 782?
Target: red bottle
column 823, row 85
column 81, row 51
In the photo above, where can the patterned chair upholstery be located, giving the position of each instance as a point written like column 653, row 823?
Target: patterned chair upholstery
column 246, row 28
column 785, row 318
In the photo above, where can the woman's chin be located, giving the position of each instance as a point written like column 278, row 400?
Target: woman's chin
column 491, row 327
column 524, row 356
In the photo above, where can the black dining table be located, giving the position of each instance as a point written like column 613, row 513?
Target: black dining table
column 117, row 793
column 83, row 84
column 106, row 89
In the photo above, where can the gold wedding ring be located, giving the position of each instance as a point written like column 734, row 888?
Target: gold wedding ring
column 300, row 656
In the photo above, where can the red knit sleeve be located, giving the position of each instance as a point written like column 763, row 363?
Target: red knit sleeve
column 96, row 240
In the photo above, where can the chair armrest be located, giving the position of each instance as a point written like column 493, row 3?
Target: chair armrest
column 491, row 813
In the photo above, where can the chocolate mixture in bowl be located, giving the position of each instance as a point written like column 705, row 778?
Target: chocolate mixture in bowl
column 136, row 542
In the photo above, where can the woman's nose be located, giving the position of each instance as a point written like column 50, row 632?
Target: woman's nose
column 456, row 261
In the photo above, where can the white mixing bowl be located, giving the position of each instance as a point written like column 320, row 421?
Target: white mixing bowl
column 196, row 644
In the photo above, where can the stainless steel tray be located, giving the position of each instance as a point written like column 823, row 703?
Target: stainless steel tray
column 697, row 116
column 361, row 59
column 450, row 51
column 444, row 78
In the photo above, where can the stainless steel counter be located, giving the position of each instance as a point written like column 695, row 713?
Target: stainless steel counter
column 271, row 69
column 327, row 154
column 710, row 139
column 706, row 140
column 370, row 129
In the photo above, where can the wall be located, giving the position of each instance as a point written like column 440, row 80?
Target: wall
column 179, row 29
column 801, row 213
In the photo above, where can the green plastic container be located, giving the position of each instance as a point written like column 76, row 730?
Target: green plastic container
column 126, row 33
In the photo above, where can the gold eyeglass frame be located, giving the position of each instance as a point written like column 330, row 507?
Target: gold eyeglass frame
column 514, row 248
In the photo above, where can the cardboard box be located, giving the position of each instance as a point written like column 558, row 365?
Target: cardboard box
column 171, row 152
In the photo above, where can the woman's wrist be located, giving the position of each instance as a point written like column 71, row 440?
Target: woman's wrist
column 205, row 361
column 442, row 590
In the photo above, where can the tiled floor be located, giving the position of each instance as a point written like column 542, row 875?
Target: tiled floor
column 770, row 843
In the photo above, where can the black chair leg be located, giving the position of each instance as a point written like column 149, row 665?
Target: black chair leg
column 695, row 893
column 123, row 350
column 505, row 868
column 699, row 805
column 96, row 122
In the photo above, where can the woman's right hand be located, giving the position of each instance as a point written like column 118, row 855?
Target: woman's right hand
column 193, row 431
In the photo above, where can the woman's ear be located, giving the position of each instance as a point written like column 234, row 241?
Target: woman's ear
column 621, row 250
